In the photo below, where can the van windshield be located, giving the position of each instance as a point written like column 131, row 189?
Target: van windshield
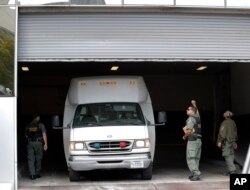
column 108, row 114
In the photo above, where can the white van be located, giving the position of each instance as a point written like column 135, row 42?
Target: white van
column 108, row 124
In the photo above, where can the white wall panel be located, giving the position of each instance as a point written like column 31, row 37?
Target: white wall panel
column 7, row 141
column 157, row 36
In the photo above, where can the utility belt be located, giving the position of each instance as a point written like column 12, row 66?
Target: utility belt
column 224, row 141
column 35, row 140
column 194, row 137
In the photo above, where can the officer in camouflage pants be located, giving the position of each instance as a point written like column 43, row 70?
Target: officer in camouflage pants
column 227, row 138
column 192, row 132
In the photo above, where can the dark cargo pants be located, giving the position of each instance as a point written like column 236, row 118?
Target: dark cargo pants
column 34, row 157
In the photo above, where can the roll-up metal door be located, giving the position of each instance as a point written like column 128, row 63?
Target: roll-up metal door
column 133, row 36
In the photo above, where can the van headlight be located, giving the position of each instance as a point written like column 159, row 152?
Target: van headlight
column 142, row 143
column 73, row 146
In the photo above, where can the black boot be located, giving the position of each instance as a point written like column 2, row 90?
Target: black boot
column 226, row 173
column 192, row 174
column 38, row 175
column 32, row 177
column 195, row 178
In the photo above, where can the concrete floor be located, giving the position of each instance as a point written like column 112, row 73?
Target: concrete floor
column 170, row 172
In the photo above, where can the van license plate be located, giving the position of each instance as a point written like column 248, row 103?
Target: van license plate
column 136, row 164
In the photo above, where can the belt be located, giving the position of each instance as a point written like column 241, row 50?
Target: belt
column 35, row 140
column 194, row 137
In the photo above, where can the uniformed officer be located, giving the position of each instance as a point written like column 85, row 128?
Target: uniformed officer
column 37, row 142
column 227, row 138
column 192, row 132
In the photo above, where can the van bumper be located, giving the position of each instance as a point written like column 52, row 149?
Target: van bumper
column 132, row 161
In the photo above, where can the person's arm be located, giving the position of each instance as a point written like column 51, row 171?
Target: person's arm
column 221, row 135
column 187, row 132
column 189, row 128
column 44, row 134
column 193, row 102
column 236, row 136
column 45, row 146
column 219, row 141
column 26, row 133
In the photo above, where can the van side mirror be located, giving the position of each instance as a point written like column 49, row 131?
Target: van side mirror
column 55, row 121
column 162, row 118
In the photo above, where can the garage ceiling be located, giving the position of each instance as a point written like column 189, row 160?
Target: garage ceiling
column 48, row 73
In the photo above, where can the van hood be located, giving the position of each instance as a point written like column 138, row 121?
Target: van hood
column 109, row 133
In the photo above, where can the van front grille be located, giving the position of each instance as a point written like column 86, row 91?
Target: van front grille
column 110, row 146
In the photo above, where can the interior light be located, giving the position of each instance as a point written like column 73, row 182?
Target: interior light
column 114, row 68
column 201, row 68
column 25, row 68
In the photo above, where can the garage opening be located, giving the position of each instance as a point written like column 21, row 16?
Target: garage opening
column 171, row 85
column 56, row 48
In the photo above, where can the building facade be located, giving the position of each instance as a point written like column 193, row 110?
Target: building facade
column 118, row 30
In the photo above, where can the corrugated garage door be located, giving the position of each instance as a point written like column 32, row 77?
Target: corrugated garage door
column 133, row 36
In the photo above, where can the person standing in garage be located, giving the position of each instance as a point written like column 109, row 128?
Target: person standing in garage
column 36, row 143
column 192, row 132
column 227, row 138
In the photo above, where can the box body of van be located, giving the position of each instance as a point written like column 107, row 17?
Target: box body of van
column 108, row 124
